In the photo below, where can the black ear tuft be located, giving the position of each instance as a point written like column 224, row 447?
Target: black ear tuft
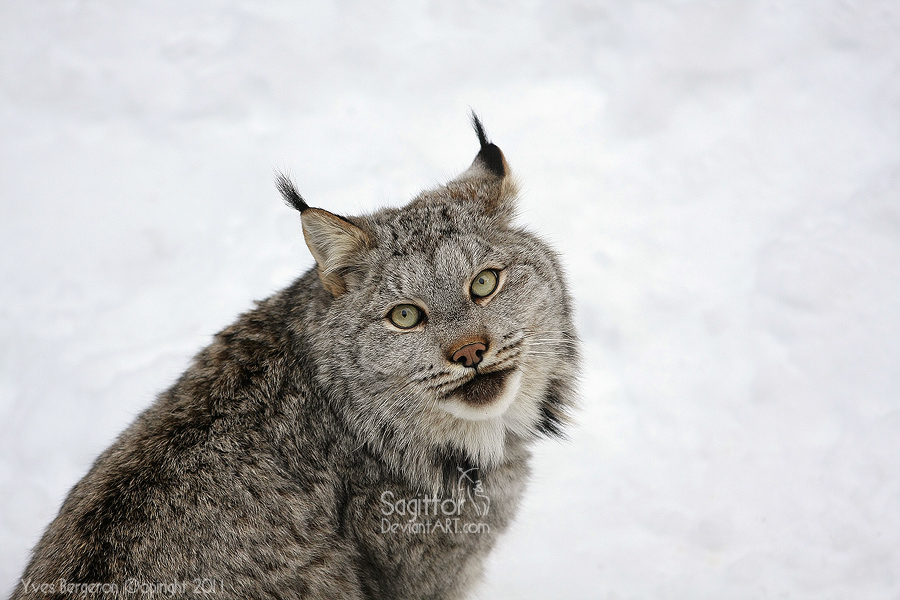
column 490, row 155
column 479, row 130
column 289, row 193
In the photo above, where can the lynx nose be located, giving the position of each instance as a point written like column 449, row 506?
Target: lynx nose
column 470, row 354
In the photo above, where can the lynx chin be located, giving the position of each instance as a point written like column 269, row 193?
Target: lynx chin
column 428, row 341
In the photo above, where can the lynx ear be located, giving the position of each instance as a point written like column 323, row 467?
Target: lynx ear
column 488, row 179
column 334, row 242
column 490, row 157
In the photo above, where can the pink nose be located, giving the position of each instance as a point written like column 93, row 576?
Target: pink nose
column 470, row 354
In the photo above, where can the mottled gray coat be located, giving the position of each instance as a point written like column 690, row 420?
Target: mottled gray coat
column 278, row 464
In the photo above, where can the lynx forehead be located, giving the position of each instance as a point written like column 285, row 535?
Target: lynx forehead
column 420, row 358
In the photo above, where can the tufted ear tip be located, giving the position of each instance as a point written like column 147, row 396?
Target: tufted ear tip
column 487, row 182
column 334, row 241
column 289, row 192
column 490, row 156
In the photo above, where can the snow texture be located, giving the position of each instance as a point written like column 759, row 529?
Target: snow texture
column 722, row 178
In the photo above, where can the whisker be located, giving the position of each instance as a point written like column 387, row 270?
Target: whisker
column 499, row 366
column 511, row 334
column 450, row 385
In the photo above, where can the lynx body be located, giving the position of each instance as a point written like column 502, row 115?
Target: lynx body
column 364, row 433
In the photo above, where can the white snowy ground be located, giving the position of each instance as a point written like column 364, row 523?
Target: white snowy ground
column 722, row 178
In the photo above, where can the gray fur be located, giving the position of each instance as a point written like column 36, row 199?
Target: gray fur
column 264, row 468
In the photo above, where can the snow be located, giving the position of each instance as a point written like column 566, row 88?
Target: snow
column 722, row 179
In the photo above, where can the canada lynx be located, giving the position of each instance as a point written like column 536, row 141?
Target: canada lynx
column 363, row 433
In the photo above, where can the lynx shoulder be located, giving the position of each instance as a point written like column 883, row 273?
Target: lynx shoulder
column 363, row 433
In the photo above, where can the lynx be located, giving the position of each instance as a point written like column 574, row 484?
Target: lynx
column 364, row 433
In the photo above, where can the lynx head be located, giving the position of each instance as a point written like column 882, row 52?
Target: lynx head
column 445, row 327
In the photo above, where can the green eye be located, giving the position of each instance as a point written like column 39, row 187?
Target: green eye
column 405, row 316
column 484, row 283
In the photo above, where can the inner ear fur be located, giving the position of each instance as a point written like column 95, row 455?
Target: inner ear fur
column 336, row 244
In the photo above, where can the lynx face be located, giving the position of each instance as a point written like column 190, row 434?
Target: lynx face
column 448, row 325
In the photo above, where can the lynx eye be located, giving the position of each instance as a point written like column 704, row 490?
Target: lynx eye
column 484, row 283
column 405, row 316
